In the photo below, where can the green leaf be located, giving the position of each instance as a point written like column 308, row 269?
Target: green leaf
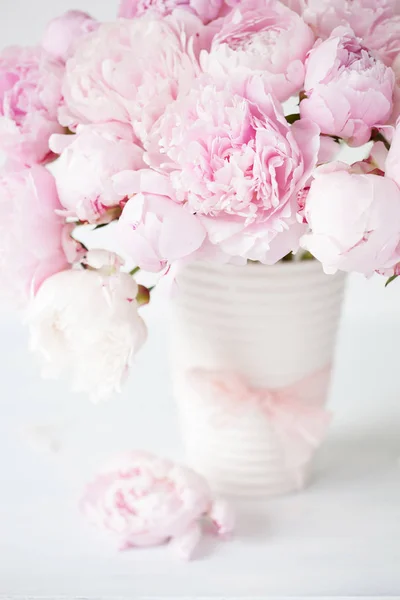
column 306, row 255
column 392, row 278
column 288, row 258
column 100, row 226
column 292, row 118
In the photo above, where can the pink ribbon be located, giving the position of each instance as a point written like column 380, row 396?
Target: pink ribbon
column 296, row 412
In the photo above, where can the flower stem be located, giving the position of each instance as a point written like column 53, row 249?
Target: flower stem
column 392, row 278
column 377, row 136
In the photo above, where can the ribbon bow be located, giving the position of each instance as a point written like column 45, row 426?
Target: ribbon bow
column 295, row 412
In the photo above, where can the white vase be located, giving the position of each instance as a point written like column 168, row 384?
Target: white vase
column 274, row 326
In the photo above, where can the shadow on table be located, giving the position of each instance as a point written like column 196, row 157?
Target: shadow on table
column 359, row 457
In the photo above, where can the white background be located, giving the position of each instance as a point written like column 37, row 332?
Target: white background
column 340, row 537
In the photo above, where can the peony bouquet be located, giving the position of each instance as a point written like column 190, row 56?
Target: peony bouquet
column 193, row 130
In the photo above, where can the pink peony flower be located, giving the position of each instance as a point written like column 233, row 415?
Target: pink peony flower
column 348, row 92
column 30, row 232
column 154, row 230
column 129, row 71
column 73, row 249
column 228, row 6
column 207, row 10
column 328, row 150
column 30, row 94
column 263, row 37
column 144, row 500
column 234, row 161
column 296, row 5
column 354, row 220
column 376, row 22
column 87, row 164
column 392, row 166
column 396, row 96
column 396, row 103
column 377, row 156
column 95, row 347
column 384, row 39
column 62, row 33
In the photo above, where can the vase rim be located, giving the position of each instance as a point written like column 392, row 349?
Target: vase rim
column 305, row 266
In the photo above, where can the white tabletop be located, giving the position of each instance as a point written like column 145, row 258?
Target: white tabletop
column 339, row 537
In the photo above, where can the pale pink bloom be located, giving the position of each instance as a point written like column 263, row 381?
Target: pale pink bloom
column 156, row 232
column 374, row 163
column 30, row 232
column 228, row 6
column 378, row 156
column 85, row 324
column 328, row 150
column 354, row 221
column 73, row 249
column 396, row 103
column 63, row 32
column 396, row 95
column 376, row 22
column 234, row 161
column 263, row 37
column 144, row 500
column 296, row 5
column 103, row 261
column 130, row 70
column 348, row 91
column 392, row 166
column 30, row 95
column 384, row 39
column 207, row 10
column 87, row 164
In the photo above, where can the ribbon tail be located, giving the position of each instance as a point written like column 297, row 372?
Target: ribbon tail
column 300, row 437
column 314, row 430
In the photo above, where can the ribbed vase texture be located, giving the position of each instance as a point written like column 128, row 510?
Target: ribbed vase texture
column 275, row 326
